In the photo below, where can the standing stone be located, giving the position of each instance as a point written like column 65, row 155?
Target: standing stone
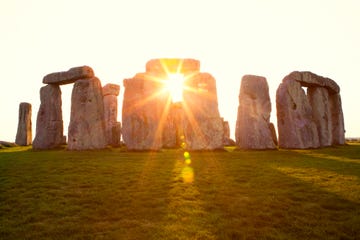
column 203, row 126
column 87, row 127
column 173, row 132
column 24, row 132
column 337, row 120
column 319, row 101
column 112, row 126
column 253, row 129
column 294, row 113
column 144, row 113
column 49, row 123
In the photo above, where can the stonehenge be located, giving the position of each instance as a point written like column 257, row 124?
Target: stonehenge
column 308, row 108
column 150, row 120
column 253, row 127
column 89, row 128
column 24, row 131
column 309, row 119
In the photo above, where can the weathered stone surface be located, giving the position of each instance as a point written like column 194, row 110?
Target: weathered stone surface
column 319, row 101
column 112, row 130
column 173, row 132
column 69, row 76
column 111, row 89
column 49, row 123
column 87, row 127
column 309, row 79
column 203, row 126
column 143, row 113
column 172, row 65
column 253, row 129
column 24, row 131
column 337, row 120
column 296, row 127
column 322, row 109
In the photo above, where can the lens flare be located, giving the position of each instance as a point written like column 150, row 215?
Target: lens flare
column 175, row 85
column 187, row 174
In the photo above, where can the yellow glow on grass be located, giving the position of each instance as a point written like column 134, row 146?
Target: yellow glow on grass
column 175, row 85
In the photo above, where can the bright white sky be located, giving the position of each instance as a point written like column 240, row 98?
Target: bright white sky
column 231, row 38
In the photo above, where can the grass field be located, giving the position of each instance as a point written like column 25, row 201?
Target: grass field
column 114, row 194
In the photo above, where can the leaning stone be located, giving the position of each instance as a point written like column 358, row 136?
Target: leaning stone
column 69, row 76
column 24, row 132
column 49, row 123
column 87, row 127
column 253, row 129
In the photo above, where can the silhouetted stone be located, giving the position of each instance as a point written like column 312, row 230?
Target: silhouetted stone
column 143, row 113
column 69, row 76
column 112, row 126
column 253, row 129
column 173, row 132
column 49, row 123
column 87, row 127
column 203, row 126
column 24, row 131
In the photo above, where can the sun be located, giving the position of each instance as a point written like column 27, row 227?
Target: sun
column 175, row 85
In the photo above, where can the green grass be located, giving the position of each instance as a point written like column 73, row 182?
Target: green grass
column 114, row 194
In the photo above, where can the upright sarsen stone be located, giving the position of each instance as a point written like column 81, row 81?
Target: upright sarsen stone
column 253, row 127
column 143, row 113
column 112, row 126
column 87, row 127
column 49, row 123
column 203, row 126
column 24, row 131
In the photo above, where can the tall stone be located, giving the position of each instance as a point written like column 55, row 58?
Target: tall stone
column 294, row 114
column 49, row 123
column 24, row 131
column 253, row 128
column 173, row 132
column 112, row 126
column 203, row 126
column 321, row 112
column 87, row 127
column 337, row 120
column 144, row 111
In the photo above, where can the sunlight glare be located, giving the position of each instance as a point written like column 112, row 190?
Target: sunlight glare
column 175, row 85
